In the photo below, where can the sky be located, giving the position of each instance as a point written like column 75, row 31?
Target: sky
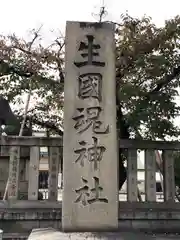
column 19, row 16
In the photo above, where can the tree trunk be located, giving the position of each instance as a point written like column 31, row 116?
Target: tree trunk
column 123, row 133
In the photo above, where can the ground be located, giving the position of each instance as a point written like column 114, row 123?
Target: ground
column 48, row 234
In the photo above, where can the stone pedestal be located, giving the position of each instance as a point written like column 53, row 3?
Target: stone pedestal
column 51, row 234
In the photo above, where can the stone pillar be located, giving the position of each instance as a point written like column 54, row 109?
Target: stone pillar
column 4, row 171
column 1, row 234
column 90, row 197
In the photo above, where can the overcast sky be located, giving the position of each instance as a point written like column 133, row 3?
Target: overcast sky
column 20, row 15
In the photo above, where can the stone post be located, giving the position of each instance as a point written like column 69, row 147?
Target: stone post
column 11, row 154
column 90, row 165
column 1, row 234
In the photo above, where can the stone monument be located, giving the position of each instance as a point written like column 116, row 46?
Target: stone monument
column 90, row 153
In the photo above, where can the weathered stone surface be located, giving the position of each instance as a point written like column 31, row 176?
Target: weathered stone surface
column 1, row 234
column 4, row 172
column 54, row 170
column 48, row 234
column 33, row 173
column 14, row 167
column 90, row 197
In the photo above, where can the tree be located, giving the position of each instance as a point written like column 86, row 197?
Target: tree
column 39, row 70
column 147, row 77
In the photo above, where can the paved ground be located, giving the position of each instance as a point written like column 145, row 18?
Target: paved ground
column 48, row 234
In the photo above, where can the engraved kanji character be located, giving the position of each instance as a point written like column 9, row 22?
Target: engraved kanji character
column 93, row 154
column 90, row 85
column 89, row 117
column 88, row 196
column 89, row 50
column 83, row 193
column 96, row 192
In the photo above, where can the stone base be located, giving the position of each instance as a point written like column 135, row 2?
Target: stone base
column 52, row 234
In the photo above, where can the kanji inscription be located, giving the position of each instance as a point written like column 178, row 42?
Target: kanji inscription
column 89, row 50
column 14, row 171
column 90, row 149
column 89, row 117
column 87, row 195
column 90, row 85
column 93, row 154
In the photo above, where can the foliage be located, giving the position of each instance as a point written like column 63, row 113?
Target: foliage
column 39, row 70
column 148, row 75
column 147, row 70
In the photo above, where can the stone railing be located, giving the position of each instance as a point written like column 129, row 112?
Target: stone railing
column 19, row 166
column 154, row 163
column 164, row 166
column 136, row 212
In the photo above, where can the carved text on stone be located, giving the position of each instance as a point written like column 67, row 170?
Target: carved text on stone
column 90, row 85
column 87, row 195
column 92, row 154
column 15, row 155
column 89, row 117
column 89, row 50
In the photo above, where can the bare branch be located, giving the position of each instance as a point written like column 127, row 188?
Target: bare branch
column 168, row 78
column 115, row 23
column 61, row 45
column 36, row 35
column 43, row 124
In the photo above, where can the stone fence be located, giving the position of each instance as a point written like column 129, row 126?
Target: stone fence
column 20, row 216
